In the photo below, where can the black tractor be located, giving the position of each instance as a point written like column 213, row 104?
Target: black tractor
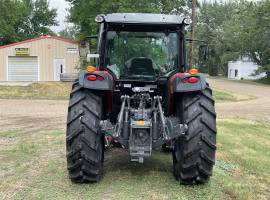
column 140, row 95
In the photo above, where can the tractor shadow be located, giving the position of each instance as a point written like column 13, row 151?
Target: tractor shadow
column 119, row 160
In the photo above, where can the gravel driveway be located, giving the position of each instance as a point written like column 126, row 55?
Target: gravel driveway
column 40, row 115
column 255, row 109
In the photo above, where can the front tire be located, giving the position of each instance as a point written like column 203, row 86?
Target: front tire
column 84, row 145
column 194, row 153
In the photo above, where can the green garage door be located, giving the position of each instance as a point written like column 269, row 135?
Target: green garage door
column 22, row 68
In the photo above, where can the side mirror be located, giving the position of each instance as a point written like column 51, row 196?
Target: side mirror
column 87, row 50
column 203, row 54
column 84, row 48
column 87, row 45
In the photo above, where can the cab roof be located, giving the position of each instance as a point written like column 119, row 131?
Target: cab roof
column 143, row 18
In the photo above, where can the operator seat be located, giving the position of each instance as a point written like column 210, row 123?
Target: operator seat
column 141, row 66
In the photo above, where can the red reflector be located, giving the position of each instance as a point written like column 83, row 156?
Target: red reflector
column 185, row 80
column 91, row 78
column 100, row 78
column 193, row 80
column 109, row 139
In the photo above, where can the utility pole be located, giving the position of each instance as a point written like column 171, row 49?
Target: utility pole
column 192, row 32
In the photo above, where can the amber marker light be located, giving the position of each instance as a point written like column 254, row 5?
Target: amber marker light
column 91, row 68
column 193, row 71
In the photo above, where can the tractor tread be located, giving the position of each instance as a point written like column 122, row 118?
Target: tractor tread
column 208, row 142
column 76, row 101
column 192, row 101
column 75, row 90
column 90, row 109
column 73, row 135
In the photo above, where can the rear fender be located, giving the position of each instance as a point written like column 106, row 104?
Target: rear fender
column 178, row 83
column 105, row 85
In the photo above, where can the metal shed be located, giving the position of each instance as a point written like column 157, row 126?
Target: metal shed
column 243, row 68
column 45, row 58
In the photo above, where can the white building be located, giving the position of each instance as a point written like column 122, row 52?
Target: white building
column 243, row 68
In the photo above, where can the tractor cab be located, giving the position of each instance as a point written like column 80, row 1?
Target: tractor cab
column 141, row 46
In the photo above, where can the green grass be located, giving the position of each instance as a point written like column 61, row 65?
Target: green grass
column 226, row 96
column 33, row 166
column 223, row 96
column 263, row 81
column 49, row 91
column 60, row 91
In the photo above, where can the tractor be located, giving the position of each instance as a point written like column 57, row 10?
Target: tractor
column 140, row 95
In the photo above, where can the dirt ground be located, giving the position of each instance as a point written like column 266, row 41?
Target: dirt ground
column 33, row 115
column 40, row 115
column 257, row 108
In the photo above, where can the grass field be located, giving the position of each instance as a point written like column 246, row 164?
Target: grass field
column 49, row 91
column 33, row 166
column 226, row 96
column 60, row 91
column 262, row 81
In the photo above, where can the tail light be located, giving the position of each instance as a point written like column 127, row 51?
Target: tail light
column 94, row 77
column 91, row 77
column 193, row 80
column 100, row 78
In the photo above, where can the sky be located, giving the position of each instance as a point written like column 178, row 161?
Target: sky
column 61, row 6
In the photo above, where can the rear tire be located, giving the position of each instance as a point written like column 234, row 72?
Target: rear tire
column 84, row 145
column 194, row 153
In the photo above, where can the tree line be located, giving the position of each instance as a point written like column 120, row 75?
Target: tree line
column 234, row 29
column 231, row 28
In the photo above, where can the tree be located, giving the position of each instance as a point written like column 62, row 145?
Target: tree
column 83, row 12
column 234, row 29
column 212, row 27
column 20, row 20
column 255, row 34
column 40, row 19
column 13, row 17
column 69, row 32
